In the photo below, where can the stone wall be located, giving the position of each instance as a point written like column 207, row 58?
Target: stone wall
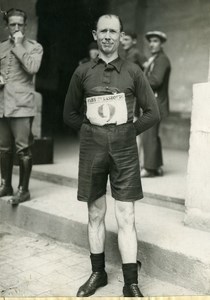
column 187, row 24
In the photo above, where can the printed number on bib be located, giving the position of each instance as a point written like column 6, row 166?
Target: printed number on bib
column 107, row 109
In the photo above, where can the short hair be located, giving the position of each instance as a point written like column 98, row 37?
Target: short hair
column 14, row 12
column 132, row 34
column 110, row 16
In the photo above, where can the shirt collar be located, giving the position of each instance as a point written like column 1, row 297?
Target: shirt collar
column 116, row 63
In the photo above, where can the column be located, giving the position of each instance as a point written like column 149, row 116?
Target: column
column 198, row 173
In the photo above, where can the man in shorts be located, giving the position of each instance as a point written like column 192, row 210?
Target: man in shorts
column 104, row 90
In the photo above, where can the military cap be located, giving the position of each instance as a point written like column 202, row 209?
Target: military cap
column 161, row 35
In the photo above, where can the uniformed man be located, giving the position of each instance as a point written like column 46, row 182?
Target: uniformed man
column 107, row 88
column 157, row 70
column 20, row 60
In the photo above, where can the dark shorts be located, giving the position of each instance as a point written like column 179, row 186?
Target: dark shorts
column 109, row 150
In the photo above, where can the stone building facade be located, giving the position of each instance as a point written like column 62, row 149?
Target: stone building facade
column 64, row 29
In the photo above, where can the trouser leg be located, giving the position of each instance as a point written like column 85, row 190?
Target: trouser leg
column 153, row 158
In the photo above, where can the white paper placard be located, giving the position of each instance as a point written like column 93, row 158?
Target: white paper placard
column 107, row 109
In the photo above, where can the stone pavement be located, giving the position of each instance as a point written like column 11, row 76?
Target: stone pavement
column 169, row 251
column 35, row 265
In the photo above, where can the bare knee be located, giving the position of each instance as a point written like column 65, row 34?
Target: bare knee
column 97, row 211
column 124, row 214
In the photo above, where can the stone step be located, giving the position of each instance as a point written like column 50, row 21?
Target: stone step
column 168, row 250
column 151, row 196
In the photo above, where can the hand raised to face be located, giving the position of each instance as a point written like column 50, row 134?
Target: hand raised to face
column 18, row 37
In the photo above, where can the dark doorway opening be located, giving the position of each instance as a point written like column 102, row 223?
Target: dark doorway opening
column 64, row 30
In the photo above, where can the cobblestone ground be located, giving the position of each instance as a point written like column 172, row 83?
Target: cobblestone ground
column 34, row 265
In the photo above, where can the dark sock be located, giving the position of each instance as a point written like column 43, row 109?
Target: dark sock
column 130, row 273
column 98, row 262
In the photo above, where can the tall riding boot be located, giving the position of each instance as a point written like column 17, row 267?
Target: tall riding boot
column 6, row 162
column 22, row 194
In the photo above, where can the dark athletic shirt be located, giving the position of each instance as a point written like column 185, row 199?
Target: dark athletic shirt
column 99, row 78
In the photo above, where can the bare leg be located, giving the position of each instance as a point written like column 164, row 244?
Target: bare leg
column 127, row 237
column 96, row 235
column 96, row 225
column 127, row 241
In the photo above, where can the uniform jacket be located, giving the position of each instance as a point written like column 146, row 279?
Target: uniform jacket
column 18, row 65
column 158, row 75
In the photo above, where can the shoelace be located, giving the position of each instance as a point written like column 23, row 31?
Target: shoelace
column 135, row 290
column 92, row 278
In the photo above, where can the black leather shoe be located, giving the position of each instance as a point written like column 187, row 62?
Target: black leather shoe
column 5, row 191
column 151, row 173
column 96, row 280
column 146, row 173
column 20, row 196
column 159, row 172
column 132, row 290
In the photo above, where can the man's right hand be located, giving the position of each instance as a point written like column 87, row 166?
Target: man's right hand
column 18, row 37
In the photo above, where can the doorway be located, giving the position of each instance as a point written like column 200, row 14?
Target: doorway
column 64, row 30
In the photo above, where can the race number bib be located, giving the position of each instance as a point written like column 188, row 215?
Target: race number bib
column 107, row 109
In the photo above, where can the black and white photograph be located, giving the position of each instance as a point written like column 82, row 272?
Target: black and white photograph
column 104, row 148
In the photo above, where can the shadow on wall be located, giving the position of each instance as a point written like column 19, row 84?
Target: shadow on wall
column 64, row 30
